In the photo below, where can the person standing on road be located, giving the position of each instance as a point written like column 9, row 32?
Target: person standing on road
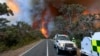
column 73, row 39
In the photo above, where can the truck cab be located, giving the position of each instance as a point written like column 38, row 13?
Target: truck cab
column 62, row 43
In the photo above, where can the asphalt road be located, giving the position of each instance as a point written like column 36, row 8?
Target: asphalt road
column 44, row 48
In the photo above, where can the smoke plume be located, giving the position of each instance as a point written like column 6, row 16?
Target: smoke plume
column 46, row 10
column 42, row 12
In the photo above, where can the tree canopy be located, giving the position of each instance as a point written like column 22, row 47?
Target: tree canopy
column 4, row 9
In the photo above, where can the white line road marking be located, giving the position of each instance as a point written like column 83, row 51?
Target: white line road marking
column 47, row 49
column 30, row 48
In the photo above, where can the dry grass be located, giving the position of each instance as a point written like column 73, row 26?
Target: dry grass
column 17, row 52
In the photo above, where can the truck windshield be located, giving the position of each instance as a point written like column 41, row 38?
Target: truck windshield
column 62, row 38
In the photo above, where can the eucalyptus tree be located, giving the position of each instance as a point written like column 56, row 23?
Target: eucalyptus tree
column 71, row 11
column 60, row 23
column 23, row 28
column 4, row 9
column 3, row 22
column 79, row 9
column 86, row 23
column 67, row 10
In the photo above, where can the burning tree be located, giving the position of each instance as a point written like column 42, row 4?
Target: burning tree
column 47, row 10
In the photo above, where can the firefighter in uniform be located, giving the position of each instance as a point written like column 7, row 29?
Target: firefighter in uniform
column 96, row 46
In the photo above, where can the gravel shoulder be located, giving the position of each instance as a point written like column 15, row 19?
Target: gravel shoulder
column 78, row 52
column 18, row 51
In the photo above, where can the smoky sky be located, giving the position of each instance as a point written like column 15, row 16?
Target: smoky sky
column 91, row 5
column 30, row 8
column 39, row 10
column 82, row 2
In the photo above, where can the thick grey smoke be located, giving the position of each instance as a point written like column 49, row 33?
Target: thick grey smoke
column 38, row 6
column 30, row 8
column 25, row 13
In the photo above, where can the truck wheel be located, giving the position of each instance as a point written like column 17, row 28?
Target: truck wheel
column 74, row 53
column 83, row 54
column 58, row 51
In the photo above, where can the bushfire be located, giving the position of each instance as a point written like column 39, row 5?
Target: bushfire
column 13, row 6
column 51, row 11
column 44, row 30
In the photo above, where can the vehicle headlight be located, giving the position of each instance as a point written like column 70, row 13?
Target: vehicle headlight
column 74, row 45
column 61, row 44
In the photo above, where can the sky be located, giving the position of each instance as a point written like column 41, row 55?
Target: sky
column 40, row 13
column 23, row 11
column 20, row 9
column 2, row 1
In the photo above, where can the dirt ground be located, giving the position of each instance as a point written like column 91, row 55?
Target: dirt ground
column 78, row 52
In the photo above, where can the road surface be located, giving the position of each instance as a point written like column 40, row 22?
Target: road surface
column 44, row 48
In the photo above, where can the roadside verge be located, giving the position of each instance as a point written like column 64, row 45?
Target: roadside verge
column 19, row 51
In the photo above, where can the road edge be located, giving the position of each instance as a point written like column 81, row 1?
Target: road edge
column 31, row 48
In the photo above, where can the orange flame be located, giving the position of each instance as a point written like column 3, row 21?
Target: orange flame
column 90, row 12
column 13, row 6
column 85, row 12
column 44, row 30
column 48, row 14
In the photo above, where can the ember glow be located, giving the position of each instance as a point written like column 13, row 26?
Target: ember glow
column 44, row 30
column 86, row 12
column 46, row 17
column 13, row 6
column 43, row 27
